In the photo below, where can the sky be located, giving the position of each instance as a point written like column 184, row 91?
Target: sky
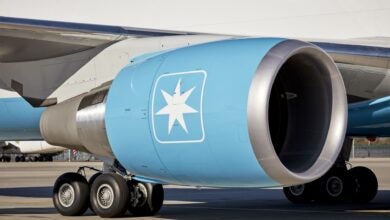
column 321, row 19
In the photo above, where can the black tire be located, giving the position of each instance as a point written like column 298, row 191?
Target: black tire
column 93, row 178
column 333, row 186
column 116, row 188
column 299, row 194
column 17, row 159
column 90, row 182
column 63, row 187
column 150, row 201
column 363, row 184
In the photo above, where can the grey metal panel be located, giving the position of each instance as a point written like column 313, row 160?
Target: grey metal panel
column 365, row 82
column 365, row 69
column 91, row 125
column 78, row 123
column 58, row 124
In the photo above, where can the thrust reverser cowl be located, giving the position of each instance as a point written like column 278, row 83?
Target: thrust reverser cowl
column 243, row 112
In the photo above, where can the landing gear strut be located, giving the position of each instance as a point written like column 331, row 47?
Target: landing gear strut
column 358, row 184
column 107, row 194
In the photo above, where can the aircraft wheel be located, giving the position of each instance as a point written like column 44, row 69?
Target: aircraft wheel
column 93, row 178
column 146, row 198
column 71, row 194
column 90, row 182
column 363, row 184
column 109, row 195
column 22, row 159
column 333, row 186
column 7, row 159
column 299, row 193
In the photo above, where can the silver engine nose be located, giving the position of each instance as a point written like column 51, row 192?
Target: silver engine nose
column 299, row 92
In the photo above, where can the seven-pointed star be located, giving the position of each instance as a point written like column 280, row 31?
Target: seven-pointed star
column 176, row 107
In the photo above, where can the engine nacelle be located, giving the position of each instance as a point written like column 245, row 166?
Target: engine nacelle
column 241, row 112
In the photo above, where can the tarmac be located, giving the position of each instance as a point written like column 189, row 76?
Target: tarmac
column 26, row 188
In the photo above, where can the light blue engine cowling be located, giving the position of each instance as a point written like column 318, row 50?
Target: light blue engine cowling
column 246, row 112
column 233, row 113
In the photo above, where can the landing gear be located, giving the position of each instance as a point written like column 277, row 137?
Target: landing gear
column 364, row 184
column 147, row 199
column 71, row 194
column 358, row 185
column 93, row 177
column 107, row 194
column 333, row 186
column 299, row 194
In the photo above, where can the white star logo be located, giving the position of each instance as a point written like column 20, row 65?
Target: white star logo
column 176, row 107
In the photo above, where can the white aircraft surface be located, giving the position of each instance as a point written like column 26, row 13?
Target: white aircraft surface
column 204, row 93
column 29, row 151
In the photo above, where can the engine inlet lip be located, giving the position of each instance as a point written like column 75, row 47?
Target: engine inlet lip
column 257, row 114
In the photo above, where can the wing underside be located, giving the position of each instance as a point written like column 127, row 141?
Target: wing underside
column 365, row 69
column 37, row 56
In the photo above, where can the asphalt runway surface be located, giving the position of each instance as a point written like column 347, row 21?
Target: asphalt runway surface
column 25, row 193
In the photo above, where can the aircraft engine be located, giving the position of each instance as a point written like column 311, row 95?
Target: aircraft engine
column 242, row 112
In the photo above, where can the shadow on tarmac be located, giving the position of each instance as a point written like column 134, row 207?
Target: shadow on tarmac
column 190, row 203
column 35, row 192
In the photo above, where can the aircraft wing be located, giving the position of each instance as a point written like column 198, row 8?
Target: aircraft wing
column 34, row 51
column 365, row 69
column 26, row 39
column 32, row 44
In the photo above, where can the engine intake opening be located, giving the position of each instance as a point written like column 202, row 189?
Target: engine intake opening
column 300, row 107
column 297, row 112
